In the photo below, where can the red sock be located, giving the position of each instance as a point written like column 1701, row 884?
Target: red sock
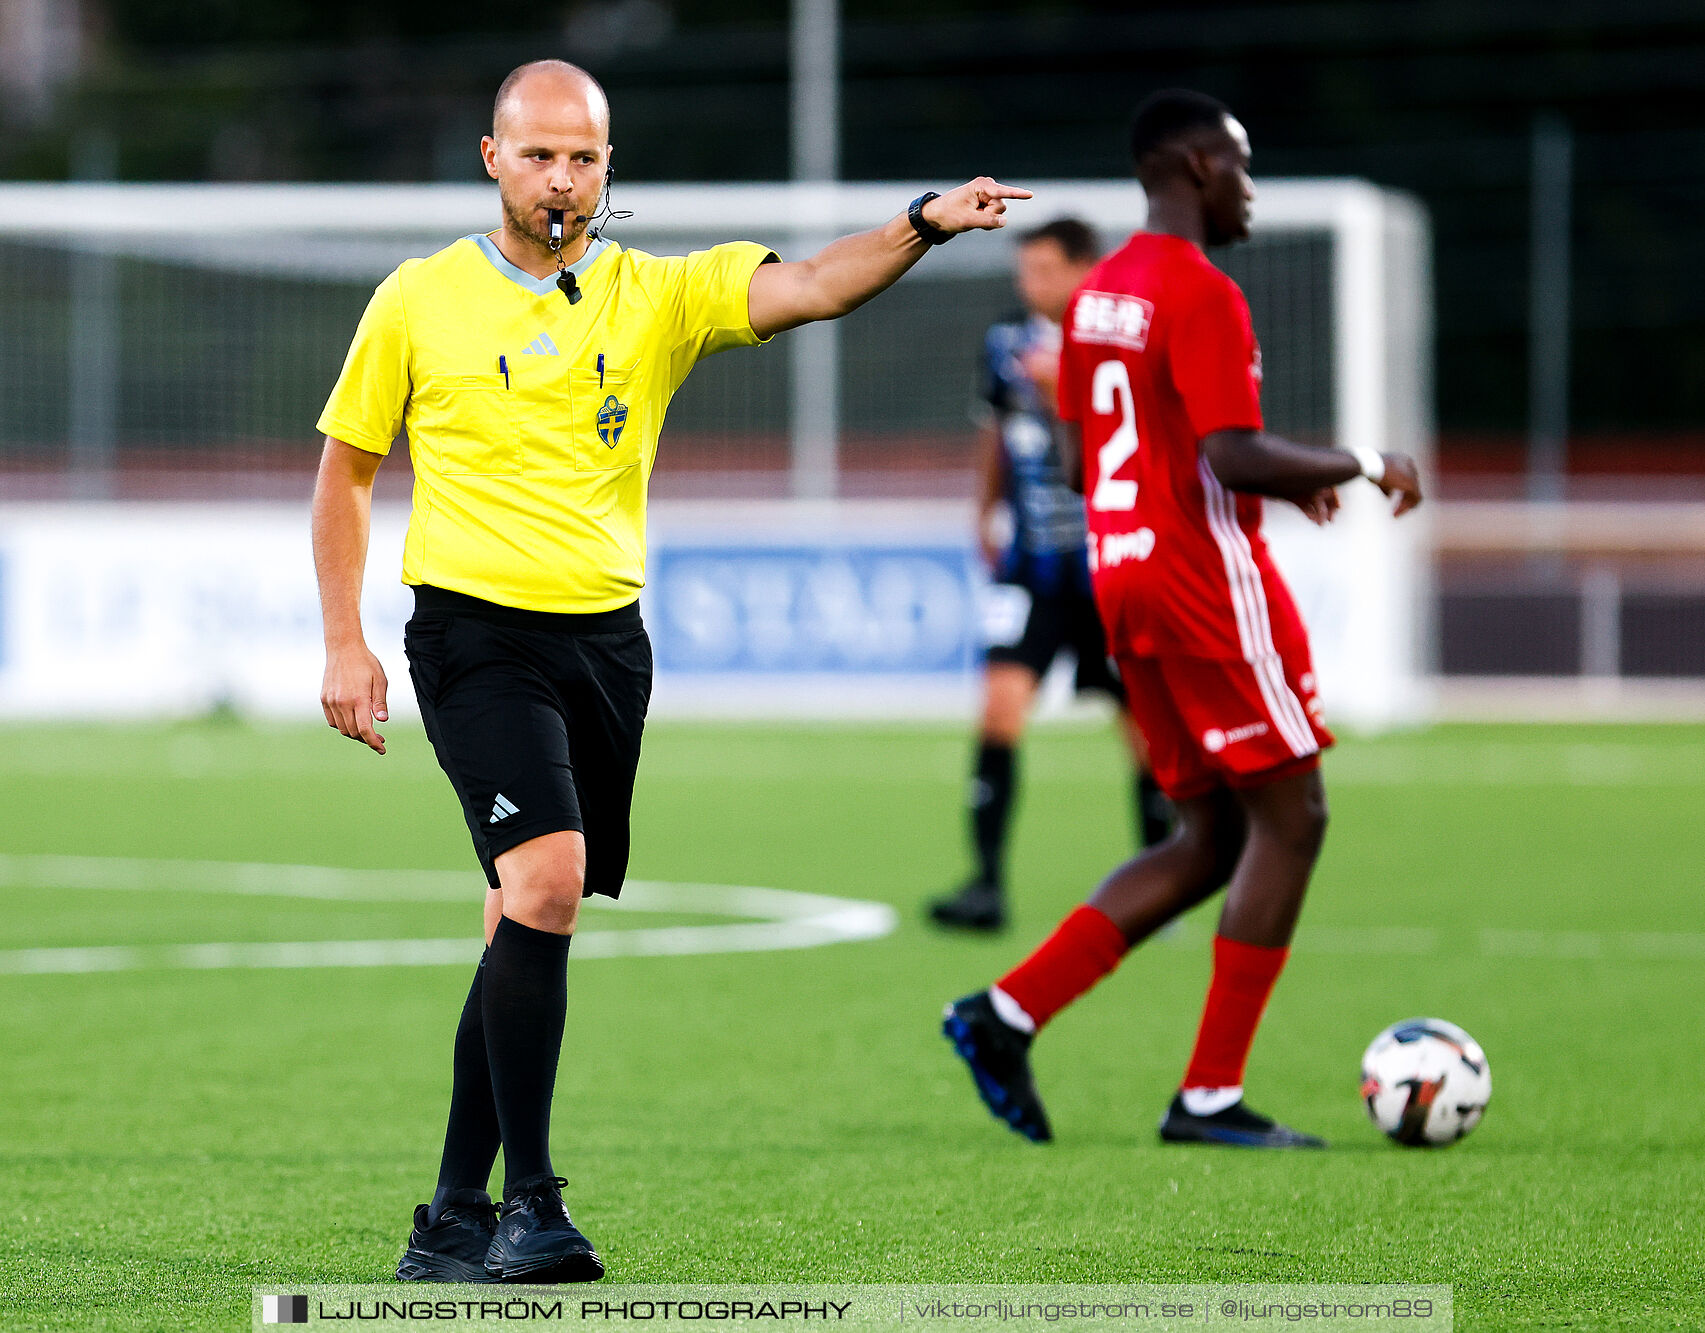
column 1085, row 947
column 1243, row 979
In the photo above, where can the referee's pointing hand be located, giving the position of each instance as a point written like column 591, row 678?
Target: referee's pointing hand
column 976, row 206
column 848, row 272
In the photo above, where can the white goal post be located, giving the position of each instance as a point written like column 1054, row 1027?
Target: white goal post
column 151, row 332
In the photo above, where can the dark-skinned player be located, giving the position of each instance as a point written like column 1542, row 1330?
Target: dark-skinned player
column 1159, row 393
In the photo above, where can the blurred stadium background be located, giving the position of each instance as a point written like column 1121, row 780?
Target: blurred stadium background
column 1477, row 239
column 176, row 348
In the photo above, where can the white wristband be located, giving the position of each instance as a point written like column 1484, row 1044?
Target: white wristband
column 1371, row 462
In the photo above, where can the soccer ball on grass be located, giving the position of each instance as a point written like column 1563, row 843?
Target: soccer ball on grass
column 1425, row 1082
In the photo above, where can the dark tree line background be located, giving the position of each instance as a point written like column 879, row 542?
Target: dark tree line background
column 1435, row 96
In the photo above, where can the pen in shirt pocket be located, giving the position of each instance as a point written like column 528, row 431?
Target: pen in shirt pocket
column 503, row 369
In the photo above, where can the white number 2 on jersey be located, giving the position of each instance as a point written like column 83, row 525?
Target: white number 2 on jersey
column 1110, row 391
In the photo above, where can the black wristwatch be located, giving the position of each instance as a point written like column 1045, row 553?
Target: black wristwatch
column 931, row 234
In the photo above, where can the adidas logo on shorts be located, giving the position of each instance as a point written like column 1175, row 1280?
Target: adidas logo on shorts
column 502, row 808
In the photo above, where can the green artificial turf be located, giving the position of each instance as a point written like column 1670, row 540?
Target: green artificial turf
column 170, row 1138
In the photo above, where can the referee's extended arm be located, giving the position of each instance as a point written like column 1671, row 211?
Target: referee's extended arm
column 353, row 692
column 847, row 273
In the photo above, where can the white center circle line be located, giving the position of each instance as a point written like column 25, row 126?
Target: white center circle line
column 778, row 918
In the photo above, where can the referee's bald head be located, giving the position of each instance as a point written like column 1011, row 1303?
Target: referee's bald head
column 542, row 86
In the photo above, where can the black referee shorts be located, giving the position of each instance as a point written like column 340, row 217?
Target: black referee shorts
column 536, row 719
column 1030, row 627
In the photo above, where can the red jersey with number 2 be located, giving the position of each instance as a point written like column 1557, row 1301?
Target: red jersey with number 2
column 1159, row 352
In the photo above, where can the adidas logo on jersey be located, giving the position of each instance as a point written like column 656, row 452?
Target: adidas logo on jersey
column 502, row 808
column 541, row 346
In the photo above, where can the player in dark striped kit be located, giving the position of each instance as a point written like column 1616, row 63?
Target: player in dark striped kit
column 1031, row 532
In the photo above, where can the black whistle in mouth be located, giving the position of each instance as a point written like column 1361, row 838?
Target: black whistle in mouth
column 564, row 279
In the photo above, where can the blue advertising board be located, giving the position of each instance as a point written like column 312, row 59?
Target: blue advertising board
column 804, row 609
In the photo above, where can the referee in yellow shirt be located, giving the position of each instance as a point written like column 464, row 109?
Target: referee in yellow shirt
column 531, row 384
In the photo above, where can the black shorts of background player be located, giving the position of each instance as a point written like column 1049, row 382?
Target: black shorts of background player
column 1031, row 533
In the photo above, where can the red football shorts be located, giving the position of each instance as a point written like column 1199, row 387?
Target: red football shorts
column 1212, row 723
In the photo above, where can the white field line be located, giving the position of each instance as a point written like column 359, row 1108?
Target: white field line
column 346, row 884
column 853, row 922
column 1392, row 762
column 785, row 920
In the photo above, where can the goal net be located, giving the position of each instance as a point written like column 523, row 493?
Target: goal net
column 176, row 343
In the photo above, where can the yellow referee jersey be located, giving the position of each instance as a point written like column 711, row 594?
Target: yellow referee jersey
column 532, row 423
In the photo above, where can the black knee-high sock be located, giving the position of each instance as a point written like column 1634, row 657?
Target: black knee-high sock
column 1154, row 811
column 991, row 804
column 471, row 1137
column 525, row 1002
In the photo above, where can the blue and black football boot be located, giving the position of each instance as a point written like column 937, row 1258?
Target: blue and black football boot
column 999, row 1057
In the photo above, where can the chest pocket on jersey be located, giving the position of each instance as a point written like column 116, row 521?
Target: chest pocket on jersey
column 608, row 422
column 474, row 428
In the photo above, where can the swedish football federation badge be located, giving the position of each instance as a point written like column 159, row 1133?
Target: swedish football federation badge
column 612, row 416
